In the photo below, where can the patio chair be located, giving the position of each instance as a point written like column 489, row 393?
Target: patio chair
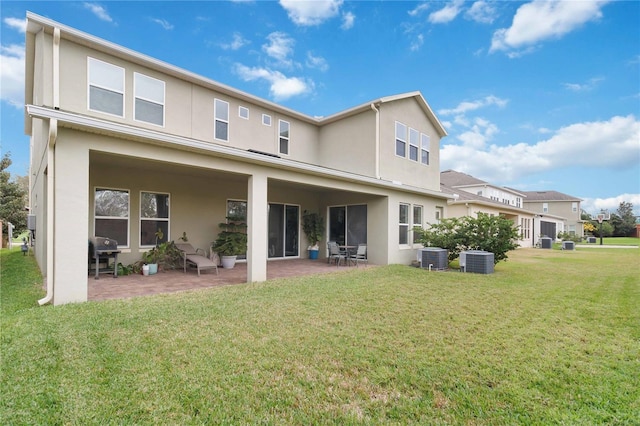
column 335, row 254
column 360, row 255
column 196, row 258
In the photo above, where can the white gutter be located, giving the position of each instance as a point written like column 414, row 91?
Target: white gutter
column 51, row 171
column 377, row 160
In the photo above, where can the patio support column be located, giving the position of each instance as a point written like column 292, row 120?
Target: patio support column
column 257, row 225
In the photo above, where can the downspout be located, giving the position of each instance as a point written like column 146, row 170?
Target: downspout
column 51, row 169
column 377, row 160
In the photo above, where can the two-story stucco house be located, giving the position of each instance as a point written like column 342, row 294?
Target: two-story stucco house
column 123, row 144
column 536, row 213
column 554, row 204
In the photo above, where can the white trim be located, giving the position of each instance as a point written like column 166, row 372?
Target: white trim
column 128, row 191
column 243, row 108
column 287, row 138
column 409, row 243
column 416, row 144
column 215, row 119
column 110, row 89
column 266, row 116
column 161, row 219
column 398, row 138
column 152, row 101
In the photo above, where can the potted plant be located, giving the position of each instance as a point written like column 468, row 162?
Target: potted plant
column 231, row 241
column 313, row 227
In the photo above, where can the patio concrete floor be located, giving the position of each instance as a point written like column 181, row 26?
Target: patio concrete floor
column 172, row 281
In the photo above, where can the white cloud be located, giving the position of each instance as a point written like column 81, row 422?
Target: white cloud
column 12, row 74
column 280, row 47
column 543, row 19
column 236, row 43
column 99, row 11
column 309, row 13
column 467, row 106
column 578, row 142
column 417, row 43
column 447, row 13
column 348, row 19
column 584, row 87
column 317, row 62
column 482, row 12
column 282, row 87
column 419, row 9
column 17, row 24
column 595, row 205
column 163, row 23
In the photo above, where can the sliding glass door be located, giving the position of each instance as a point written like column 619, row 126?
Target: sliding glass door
column 284, row 223
column 348, row 224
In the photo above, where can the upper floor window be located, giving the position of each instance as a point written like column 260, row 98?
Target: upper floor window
column 221, row 114
column 111, row 215
column 545, row 207
column 284, row 136
column 106, row 87
column 243, row 112
column 401, row 139
column 154, row 218
column 574, row 207
column 413, row 144
column 424, row 148
column 149, row 99
column 266, row 120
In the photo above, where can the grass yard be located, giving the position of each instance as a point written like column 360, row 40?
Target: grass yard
column 552, row 337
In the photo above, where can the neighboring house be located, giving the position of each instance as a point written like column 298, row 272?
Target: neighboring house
column 556, row 204
column 472, row 195
column 123, row 144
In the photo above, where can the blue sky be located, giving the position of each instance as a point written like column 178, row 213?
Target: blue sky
column 535, row 95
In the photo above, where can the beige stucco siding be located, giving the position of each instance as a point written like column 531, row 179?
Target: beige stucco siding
column 396, row 168
column 350, row 144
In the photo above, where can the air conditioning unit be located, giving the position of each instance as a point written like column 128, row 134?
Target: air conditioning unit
column 31, row 222
column 434, row 258
column 568, row 245
column 591, row 240
column 545, row 242
column 477, row 261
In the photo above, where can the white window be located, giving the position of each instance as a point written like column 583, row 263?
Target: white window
column 266, row 120
column 414, row 137
column 221, row 113
column 154, row 218
column 284, row 136
column 149, row 99
column 401, row 139
column 417, row 221
column 403, row 224
column 424, row 148
column 111, row 215
column 545, row 207
column 574, row 207
column 243, row 112
column 106, row 87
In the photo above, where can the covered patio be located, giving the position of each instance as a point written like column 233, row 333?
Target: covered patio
column 173, row 281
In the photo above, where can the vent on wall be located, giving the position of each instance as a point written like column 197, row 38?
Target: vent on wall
column 434, row 258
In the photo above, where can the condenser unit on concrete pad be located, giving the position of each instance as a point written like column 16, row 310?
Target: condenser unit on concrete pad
column 568, row 245
column 434, row 256
column 591, row 240
column 477, row 261
column 545, row 242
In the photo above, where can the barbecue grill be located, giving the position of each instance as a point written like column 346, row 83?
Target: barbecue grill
column 101, row 250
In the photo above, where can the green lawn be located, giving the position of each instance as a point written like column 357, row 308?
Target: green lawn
column 552, row 337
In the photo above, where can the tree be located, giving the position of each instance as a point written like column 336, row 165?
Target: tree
column 625, row 220
column 13, row 199
column 494, row 234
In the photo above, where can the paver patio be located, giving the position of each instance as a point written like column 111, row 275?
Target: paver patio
column 171, row 281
